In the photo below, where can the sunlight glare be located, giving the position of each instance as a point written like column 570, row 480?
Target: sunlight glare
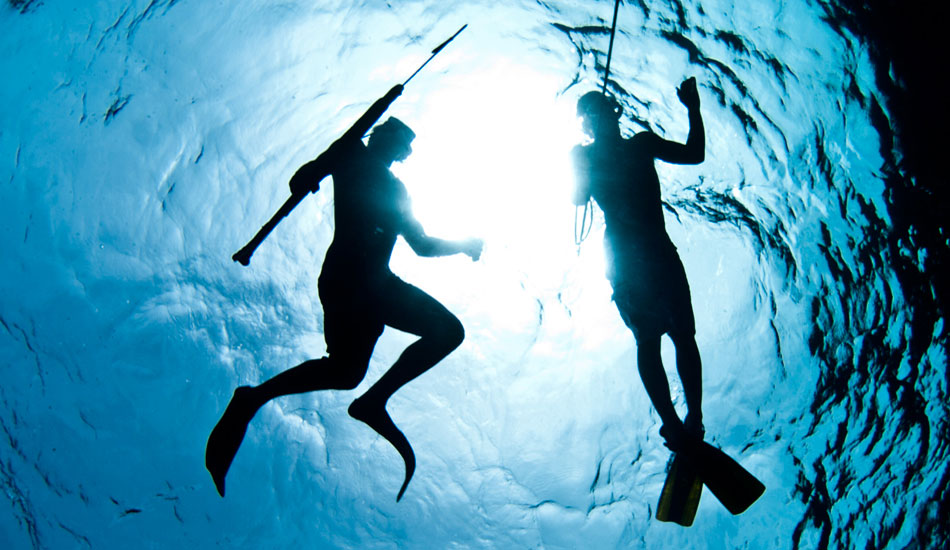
column 493, row 162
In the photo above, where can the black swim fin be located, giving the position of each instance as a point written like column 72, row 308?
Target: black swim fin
column 227, row 435
column 382, row 424
column 732, row 484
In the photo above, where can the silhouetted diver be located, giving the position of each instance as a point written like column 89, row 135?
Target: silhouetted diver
column 360, row 295
column 652, row 294
column 650, row 287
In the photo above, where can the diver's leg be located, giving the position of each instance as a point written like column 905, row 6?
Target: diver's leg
column 682, row 331
column 440, row 333
column 654, row 379
column 636, row 304
column 351, row 336
column 318, row 374
column 410, row 310
column 335, row 372
column 689, row 367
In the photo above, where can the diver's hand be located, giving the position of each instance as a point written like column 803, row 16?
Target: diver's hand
column 305, row 180
column 688, row 93
column 473, row 248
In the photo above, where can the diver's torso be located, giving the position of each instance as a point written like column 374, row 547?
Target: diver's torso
column 370, row 208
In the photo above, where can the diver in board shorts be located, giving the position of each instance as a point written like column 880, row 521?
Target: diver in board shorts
column 650, row 287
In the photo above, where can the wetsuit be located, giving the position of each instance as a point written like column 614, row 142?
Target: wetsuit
column 359, row 293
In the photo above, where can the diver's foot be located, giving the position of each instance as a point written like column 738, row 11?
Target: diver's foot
column 676, row 436
column 376, row 417
column 694, row 426
column 227, row 435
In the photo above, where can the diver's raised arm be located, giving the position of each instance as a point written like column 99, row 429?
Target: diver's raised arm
column 696, row 142
column 694, row 150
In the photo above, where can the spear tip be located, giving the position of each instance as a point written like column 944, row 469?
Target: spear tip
column 451, row 38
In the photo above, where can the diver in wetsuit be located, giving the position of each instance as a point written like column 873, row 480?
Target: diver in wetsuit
column 650, row 287
column 360, row 295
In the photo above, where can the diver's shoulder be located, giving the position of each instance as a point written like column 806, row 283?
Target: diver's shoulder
column 644, row 142
column 642, row 137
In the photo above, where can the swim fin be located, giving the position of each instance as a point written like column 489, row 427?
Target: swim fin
column 732, row 484
column 381, row 423
column 227, row 435
column 681, row 492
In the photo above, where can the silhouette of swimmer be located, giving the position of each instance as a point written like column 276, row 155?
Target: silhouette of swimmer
column 650, row 287
column 360, row 295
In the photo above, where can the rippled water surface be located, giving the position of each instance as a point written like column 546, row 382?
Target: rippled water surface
column 144, row 142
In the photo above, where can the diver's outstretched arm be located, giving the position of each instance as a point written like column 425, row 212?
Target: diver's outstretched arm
column 427, row 246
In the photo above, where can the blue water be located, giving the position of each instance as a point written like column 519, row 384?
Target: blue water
column 144, row 142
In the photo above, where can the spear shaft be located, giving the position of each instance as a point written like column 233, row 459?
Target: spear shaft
column 435, row 52
column 610, row 48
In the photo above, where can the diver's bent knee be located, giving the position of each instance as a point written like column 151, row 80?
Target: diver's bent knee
column 453, row 333
column 350, row 380
column 347, row 373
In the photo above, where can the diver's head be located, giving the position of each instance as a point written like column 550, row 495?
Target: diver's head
column 392, row 139
column 599, row 112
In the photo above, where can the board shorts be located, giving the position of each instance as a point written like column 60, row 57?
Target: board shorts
column 652, row 294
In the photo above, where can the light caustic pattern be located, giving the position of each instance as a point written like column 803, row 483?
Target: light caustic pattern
column 146, row 141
